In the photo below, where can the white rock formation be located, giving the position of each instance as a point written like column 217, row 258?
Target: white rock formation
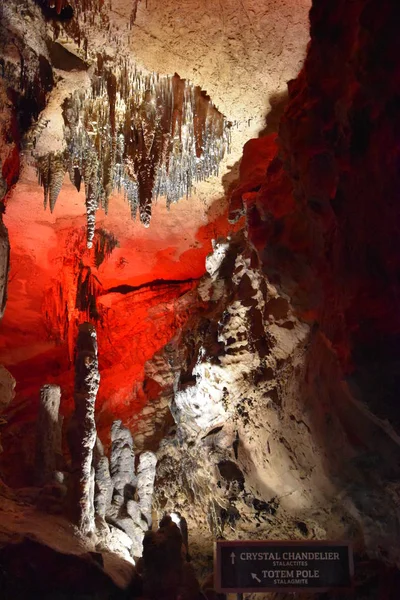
column 146, row 473
column 122, row 458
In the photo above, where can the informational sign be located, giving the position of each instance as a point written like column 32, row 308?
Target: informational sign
column 248, row 566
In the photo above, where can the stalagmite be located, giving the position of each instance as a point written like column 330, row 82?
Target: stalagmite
column 128, row 513
column 82, row 429
column 48, row 434
column 145, row 483
column 165, row 573
column 103, row 485
column 122, row 458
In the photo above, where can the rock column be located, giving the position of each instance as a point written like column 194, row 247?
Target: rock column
column 48, row 434
column 82, row 429
column 145, row 483
column 122, row 459
column 103, row 484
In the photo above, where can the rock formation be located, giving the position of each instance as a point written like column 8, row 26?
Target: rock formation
column 145, row 483
column 48, row 435
column 164, row 570
column 82, row 429
column 103, row 483
column 122, row 459
column 167, row 136
column 249, row 339
column 132, row 490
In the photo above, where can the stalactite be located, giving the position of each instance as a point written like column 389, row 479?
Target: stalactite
column 51, row 170
column 104, row 244
column 88, row 289
column 146, row 135
column 72, row 297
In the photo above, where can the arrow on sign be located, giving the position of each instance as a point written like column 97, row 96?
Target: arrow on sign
column 254, row 576
column 233, row 555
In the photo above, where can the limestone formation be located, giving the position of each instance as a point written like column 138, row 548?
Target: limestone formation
column 145, row 483
column 165, row 136
column 122, row 459
column 103, row 484
column 82, row 429
column 131, row 504
column 264, row 377
column 48, row 434
column 127, row 517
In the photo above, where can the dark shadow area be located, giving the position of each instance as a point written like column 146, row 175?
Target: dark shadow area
column 61, row 58
column 231, row 179
column 32, row 570
column 278, row 102
column 66, row 12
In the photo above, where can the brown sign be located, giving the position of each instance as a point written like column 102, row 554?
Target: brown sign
column 249, row 566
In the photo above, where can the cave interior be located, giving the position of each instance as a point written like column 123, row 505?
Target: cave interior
column 199, row 293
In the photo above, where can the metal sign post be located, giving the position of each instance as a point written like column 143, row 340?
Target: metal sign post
column 248, row 566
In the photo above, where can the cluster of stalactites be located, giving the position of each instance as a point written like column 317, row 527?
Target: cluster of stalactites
column 146, row 135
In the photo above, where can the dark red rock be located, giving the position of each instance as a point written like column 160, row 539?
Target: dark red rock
column 326, row 219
